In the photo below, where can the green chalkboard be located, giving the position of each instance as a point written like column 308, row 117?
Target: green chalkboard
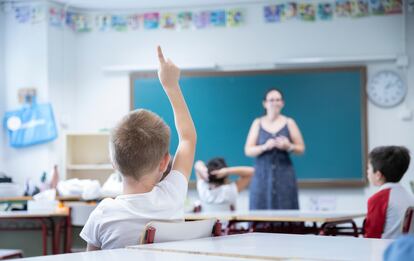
column 329, row 106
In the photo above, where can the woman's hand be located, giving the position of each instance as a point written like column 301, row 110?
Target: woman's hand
column 269, row 144
column 283, row 143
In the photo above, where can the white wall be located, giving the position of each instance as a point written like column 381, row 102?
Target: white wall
column 254, row 43
column 26, row 65
column 86, row 98
column 2, row 89
column 61, row 55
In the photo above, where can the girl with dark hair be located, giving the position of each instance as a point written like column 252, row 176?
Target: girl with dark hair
column 215, row 190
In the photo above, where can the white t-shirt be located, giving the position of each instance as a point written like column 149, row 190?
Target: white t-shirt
column 119, row 222
column 218, row 198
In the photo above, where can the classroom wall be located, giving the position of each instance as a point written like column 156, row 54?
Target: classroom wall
column 87, row 98
column 25, row 66
column 255, row 43
column 32, row 58
column 2, row 88
column 61, row 59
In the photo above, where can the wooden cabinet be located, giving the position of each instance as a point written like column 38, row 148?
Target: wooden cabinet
column 87, row 156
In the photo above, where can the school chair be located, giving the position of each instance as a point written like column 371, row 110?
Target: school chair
column 407, row 224
column 10, row 253
column 164, row 231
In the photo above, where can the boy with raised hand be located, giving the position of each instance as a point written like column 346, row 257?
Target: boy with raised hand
column 139, row 149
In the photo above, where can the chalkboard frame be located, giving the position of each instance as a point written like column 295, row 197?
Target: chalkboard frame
column 309, row 183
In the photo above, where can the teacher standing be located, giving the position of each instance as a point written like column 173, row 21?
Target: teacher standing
column 271, row 139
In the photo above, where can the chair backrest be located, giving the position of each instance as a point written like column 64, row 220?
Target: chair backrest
column 408, row 221
column 164, row 231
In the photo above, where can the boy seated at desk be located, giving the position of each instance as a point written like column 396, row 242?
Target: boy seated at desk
column 213, row 186
column 386, row 208
column 139, row 150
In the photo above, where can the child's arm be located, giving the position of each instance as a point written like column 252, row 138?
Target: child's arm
column 201, row 170
column 245, row 174
column 169, row 74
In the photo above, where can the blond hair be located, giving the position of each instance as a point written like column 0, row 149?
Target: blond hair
column 139, row 142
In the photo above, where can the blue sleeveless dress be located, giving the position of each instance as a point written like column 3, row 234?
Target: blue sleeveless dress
column 274, row 183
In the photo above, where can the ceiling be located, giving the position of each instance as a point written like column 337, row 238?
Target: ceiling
column 148, row 4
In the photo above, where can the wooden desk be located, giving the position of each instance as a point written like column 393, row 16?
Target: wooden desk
column 130, row 255
column 26, row 198
column 221, row 215
column 46, row 219
column 268, row 246
column 329, row 219
column 14, row 199
column 296, row 216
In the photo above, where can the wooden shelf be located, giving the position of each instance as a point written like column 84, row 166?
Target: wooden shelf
column 90, row 167
column 87, row 156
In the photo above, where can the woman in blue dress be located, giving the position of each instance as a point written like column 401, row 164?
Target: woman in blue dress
column 271, row 139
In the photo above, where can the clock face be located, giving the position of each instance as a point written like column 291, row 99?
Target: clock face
column 386, row 89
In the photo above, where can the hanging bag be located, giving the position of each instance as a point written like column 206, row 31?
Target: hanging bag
column 31, row 125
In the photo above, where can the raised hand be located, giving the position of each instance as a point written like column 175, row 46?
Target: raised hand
column 201, row 170
column 168, row 72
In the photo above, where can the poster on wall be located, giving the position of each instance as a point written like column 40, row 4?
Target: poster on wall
column 151, row 20
column 23, row 14
column 223, row 17
column 325, row 11
column 274, row 13
column 168, row 21
column 71, row 18
column 134, row 21
column 56, row 17
column 185, row 20
column 218, row 18
column 37, row 14
column 307, row 12
column 103, row 22
column 359, row 8
column 291, row 11
column 201, row 19
column 393, row 6
column 343, row 8
column 119, row 23
column 235, row 17
column 83, row 23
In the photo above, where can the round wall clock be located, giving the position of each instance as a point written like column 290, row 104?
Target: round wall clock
column 386, row 89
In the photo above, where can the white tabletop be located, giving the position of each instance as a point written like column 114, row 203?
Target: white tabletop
column 33, row 214
column 130, row 255
column 277, row 215
column 8, row 252
column 276, row 246
column 296, row 215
